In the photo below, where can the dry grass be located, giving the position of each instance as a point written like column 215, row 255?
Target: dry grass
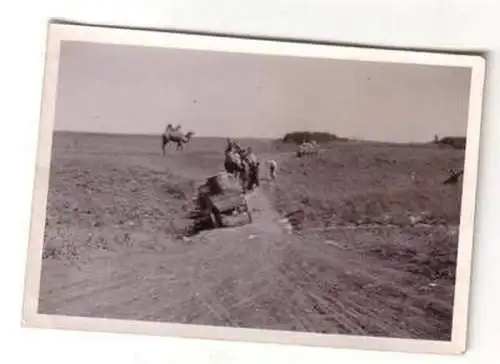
column 362, row 184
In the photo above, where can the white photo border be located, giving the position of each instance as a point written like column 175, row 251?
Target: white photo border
column 60, row 32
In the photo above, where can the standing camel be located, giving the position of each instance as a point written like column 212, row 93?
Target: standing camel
column 177, row 137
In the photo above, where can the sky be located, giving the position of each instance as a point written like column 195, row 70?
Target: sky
column 108, row 88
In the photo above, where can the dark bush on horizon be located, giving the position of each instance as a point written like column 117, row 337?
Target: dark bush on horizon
column 300, row 136
column 455, row 142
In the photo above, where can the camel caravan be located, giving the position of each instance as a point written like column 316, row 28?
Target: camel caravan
column 221, row 200
column 243, row 164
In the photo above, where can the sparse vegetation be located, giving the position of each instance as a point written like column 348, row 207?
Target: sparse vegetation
column 308, row 136
column 363, row 184
column 374, row 251
column 454, row 142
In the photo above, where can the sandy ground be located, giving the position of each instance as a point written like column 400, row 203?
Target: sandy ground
column 113, row 249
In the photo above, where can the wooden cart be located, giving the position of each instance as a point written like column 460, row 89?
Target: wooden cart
column 221, row 202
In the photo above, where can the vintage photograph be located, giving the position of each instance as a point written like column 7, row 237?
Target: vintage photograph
column 245, row 184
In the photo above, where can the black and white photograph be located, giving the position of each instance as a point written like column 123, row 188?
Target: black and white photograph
column 262, row 190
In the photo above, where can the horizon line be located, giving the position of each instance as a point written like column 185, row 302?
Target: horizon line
column 258, row 138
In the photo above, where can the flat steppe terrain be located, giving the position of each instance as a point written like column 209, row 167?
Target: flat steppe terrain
column 372, row 251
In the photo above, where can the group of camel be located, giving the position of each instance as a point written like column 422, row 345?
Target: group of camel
column 242, row 164
column 238, row 163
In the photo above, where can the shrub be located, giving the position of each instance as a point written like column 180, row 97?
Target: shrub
column 300, row 136
column 455, row 142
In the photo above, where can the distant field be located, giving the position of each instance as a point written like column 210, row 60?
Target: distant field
column 373, row 254
column 369, row 183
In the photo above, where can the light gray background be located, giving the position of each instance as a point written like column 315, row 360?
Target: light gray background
column 138, row 90
column 426, row 23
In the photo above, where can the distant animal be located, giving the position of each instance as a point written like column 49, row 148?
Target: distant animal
column 177, row 137
column 453, row 176
column 307, row 148
column 273, row 168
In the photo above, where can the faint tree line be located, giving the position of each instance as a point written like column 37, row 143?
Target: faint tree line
column 298, row 137
column 455, row 142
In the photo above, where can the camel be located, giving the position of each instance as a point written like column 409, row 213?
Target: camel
column 307, row 148
column 176, row 137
